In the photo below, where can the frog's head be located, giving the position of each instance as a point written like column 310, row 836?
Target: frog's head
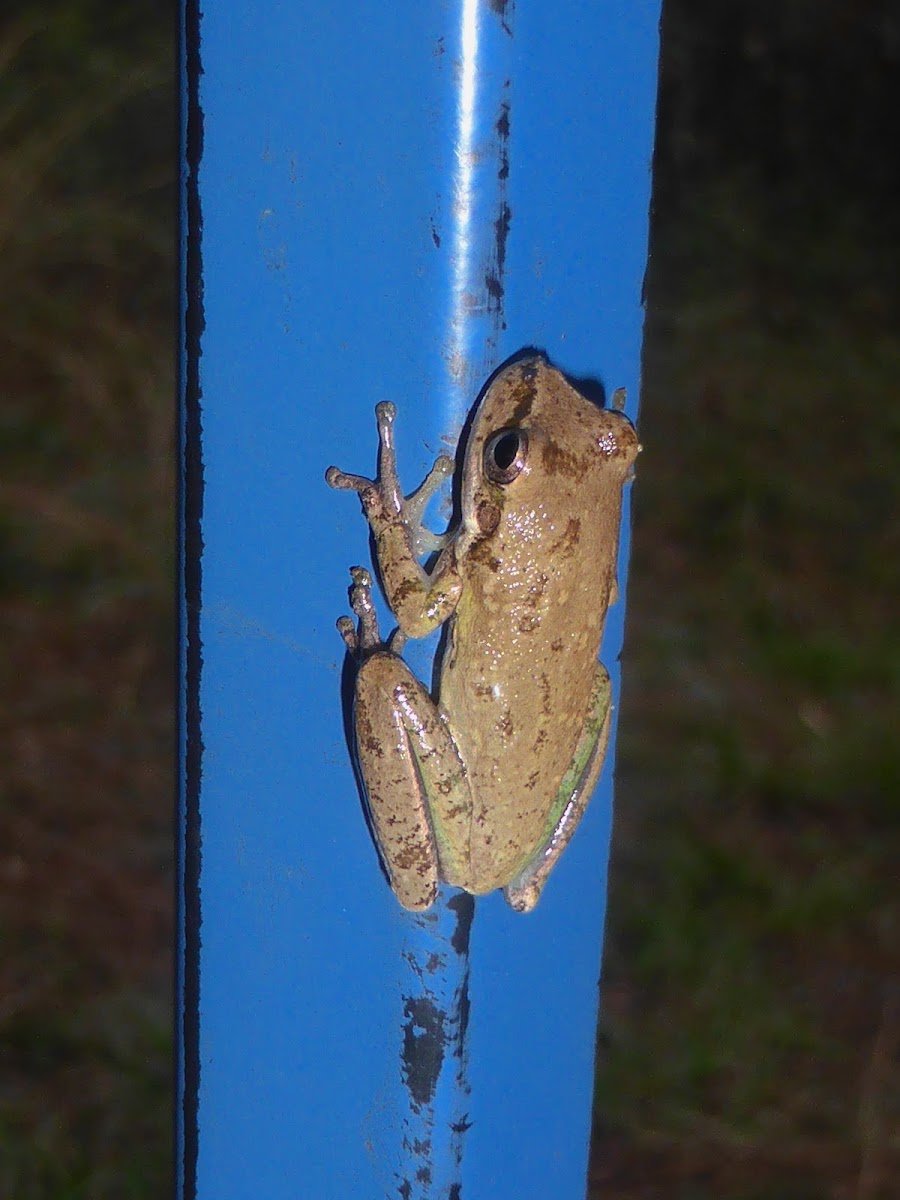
column 537, row 441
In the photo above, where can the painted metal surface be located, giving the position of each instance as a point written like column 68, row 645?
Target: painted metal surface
column 380, row 202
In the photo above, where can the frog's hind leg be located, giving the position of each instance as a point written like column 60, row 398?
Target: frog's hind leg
column 575, row 790
column 416, row 785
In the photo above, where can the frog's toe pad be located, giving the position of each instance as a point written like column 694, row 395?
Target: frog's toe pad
column 522, row 897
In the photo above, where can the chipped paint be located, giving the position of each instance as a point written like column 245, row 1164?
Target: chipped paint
column 433, row 1059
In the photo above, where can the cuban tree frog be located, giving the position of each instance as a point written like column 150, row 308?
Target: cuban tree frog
column 483, row 785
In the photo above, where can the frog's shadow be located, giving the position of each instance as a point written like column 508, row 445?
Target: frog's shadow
column 348, row 690
column 593, row 390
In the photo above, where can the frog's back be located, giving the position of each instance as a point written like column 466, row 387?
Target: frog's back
column 538, row 573
column 517, row 682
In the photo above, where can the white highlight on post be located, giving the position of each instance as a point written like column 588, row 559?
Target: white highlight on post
column 464, row 200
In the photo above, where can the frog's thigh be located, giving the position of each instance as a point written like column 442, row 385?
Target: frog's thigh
column 575, row 791
column 413, row 775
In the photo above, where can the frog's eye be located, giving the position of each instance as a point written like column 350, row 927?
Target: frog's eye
column 505, row 454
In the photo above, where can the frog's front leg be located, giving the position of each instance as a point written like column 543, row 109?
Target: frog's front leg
column 416, row 785
column 420, row 600
column 574, row 793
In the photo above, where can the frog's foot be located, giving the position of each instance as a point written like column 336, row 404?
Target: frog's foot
column 414, row 505
column 365, row 637
column 382, row 498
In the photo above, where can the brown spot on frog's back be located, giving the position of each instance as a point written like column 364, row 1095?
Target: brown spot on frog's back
column 528, row 622
column 482, row 553
column 487, row 516
column 557, row 461
column 569, row 539
column 524, row 391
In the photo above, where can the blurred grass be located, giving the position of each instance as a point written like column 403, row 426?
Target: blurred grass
column 751, row 1014
column 86, row 523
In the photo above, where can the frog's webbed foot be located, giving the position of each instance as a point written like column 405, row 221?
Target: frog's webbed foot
column 414, row 505
column 364, row 637
column 382, row 498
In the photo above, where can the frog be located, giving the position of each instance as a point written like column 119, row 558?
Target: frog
column 482, row 784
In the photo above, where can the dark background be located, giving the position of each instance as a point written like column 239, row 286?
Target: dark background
column 751, row 1023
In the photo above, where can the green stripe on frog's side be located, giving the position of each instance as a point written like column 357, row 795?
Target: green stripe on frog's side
column 585, row 752
column 571, row 799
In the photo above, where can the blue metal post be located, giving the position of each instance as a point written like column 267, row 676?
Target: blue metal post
column 380, row 202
